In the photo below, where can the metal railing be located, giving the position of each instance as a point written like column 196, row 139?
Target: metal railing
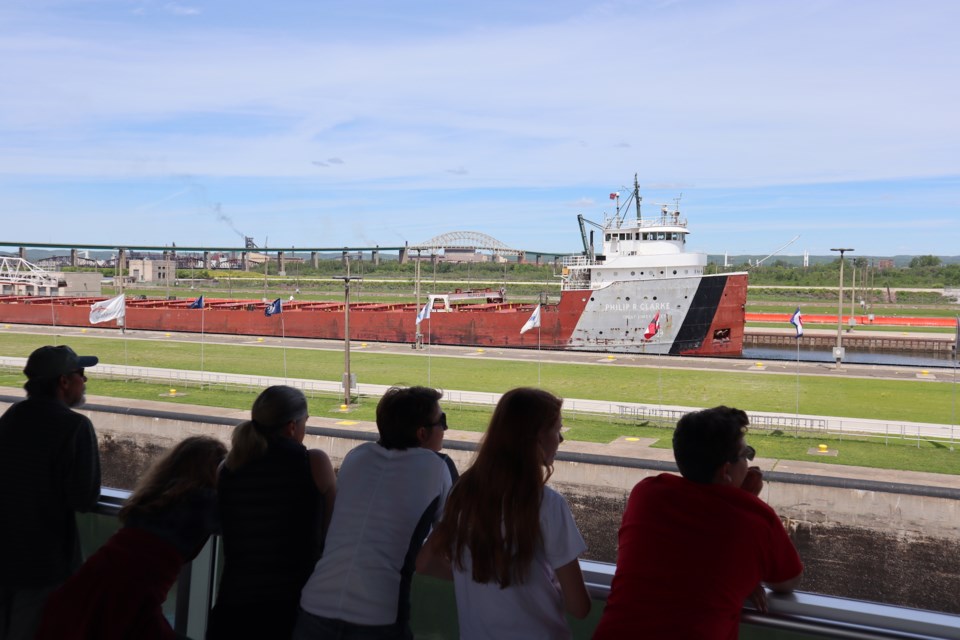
column 804, row 615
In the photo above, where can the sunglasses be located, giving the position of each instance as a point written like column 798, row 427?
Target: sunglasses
column 442, row 422
column 749, row 453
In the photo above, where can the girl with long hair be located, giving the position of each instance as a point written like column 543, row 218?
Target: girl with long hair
column 509, row 541
column 119, row 591
column 275, row 497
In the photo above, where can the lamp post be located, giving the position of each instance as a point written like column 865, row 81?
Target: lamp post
column 346, row 329
column 838, row 350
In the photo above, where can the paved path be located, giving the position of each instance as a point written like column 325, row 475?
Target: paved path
column 638, row 411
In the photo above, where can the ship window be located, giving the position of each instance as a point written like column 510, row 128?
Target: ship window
column 654, row 297
column 633, row 273
column 674, row 272
column 661, row 235
column 628, row 298
column 644, row 236
column 608, row 237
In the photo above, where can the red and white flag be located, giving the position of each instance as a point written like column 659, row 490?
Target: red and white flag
column 111, row 309
column 653, row 328
column 614, row 195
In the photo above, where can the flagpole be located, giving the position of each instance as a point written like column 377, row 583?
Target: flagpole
column 429, row 340
column 53, row 320
column 203, row 312
column 283, row 346
column 798, row 383
column 538, row 356
column 956, row 355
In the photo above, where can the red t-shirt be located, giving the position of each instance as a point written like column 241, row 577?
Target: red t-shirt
column 689, row 555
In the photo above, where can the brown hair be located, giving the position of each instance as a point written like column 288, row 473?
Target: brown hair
column 704, row 440
column 189, row 466
column 494, row 508
column 403, row 410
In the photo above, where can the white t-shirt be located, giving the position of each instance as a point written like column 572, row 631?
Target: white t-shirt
column 387, row 500
column 533, row 609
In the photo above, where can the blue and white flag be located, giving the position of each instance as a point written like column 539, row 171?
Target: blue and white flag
column 533, row 322
column 797, row 321
column 273, row 308
column 424, row 313
column 196, row 304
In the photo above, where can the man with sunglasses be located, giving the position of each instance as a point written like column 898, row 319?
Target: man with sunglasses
column 389, row 494
column 693, row 549
column 49, row 468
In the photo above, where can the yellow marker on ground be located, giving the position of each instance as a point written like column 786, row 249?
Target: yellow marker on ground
column 632, row 439
column 822, row 448
column 259, row 339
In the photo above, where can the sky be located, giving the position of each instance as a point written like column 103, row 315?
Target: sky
column 330, row 123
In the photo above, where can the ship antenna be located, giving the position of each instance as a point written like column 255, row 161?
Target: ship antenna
column 636, row 196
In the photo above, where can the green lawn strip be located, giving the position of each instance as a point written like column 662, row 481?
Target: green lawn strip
column 860, row 327
column 891, row 311
column 895, row 453
column 892, row 400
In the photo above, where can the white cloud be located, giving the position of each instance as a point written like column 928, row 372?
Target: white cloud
column 702, row 95
column 181, row 10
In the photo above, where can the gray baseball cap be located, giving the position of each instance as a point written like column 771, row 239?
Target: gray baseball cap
column 51, row 362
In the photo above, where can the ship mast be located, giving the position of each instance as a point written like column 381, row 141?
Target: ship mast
column 636, row 196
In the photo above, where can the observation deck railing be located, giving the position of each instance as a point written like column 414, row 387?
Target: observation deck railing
column 791, row 617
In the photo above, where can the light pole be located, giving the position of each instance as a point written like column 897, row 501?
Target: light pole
column 838, row 350
column 346, row 329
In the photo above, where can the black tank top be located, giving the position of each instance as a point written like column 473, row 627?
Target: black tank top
column 271, row 513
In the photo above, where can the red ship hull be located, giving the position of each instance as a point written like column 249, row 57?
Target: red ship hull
column 711, row 326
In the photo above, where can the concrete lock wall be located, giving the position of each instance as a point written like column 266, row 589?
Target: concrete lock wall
column 899, row 546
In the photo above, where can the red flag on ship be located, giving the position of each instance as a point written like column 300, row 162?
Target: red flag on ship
column 653, row 328
column 614, row 195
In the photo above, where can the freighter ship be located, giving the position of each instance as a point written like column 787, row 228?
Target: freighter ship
column 643, row 294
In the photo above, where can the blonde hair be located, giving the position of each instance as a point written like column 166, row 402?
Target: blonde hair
column 273, row 409
column 189, row 466
column 493, row 510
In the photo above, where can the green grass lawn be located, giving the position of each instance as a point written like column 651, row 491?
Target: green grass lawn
column 860, row 327
column 857, row 451
column 893, row 400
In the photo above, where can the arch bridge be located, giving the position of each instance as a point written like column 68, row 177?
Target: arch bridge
column 466, row 240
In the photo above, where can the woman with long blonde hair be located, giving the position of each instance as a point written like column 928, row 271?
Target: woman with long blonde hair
column 509, row 541
column 119, row 591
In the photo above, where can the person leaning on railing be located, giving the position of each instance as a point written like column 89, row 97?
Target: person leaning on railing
column 508, row 541
column 120, row 590
column 49, row 469
column 692, row 549
column 275, row 499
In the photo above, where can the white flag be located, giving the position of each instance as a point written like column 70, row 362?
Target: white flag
column 424, row 313
column 105, row 310
column 533, row 322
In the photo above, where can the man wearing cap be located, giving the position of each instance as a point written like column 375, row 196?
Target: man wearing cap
column 692, row 549
column 49, row 468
